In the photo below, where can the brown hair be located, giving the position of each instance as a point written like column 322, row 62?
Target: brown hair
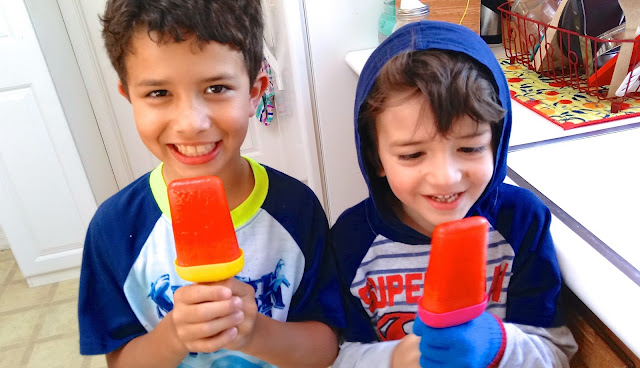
column 237, row 23
column 453, row 84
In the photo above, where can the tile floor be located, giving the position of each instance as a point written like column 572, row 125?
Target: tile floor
column 39, row 326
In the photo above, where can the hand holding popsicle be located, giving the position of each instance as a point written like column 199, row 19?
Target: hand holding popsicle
column 478, row 343
column 406, row 354
column 454, row 327
column 206, row 317
column 209, row 317
column 218, row 309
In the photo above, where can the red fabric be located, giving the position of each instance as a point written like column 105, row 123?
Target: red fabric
column 503, row 345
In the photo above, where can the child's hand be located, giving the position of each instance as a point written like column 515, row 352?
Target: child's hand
column 407, row 353
column 206, row 316
column 478, row 343
column 249, row 309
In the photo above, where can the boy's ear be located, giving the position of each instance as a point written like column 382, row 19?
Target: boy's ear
column 122, row 91
column 257, row 90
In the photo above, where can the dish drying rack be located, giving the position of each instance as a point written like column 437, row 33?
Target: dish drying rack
column 569, row 58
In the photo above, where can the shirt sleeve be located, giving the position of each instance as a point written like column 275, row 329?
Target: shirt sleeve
column 114, row 238
column 529, row 346
column 350, row 241
column 533, row 294
column 360, row 355
column 318, row 295
column 535, row 315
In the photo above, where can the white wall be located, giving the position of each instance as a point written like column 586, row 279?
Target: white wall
column 335, row 28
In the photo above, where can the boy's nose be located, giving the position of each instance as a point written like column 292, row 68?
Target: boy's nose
column 443, row 171
column 192, row 116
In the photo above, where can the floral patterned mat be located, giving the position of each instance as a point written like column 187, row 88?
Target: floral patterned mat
column 559, row 103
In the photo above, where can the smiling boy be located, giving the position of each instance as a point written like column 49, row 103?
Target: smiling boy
column 190, row 69
column 432, row 121
column 191, row 105
column 459, row 165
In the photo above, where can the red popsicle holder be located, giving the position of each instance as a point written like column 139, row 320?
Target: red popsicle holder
column 453, row 318
column 455, row 280
column 571, row 58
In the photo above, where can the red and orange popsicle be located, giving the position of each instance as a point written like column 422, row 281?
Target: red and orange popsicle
column 455, row 280
column 206, row 246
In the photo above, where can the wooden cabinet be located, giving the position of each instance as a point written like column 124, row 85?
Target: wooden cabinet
column 456, row 11
column 597, row 345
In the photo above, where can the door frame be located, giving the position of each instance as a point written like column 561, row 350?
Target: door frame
column 54, row 40
column 75, row 32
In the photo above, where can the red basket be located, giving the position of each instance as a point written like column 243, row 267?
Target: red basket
column 571, row 58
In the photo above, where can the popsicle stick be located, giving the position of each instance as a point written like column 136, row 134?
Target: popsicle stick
column 632, row 19
column 549, row 36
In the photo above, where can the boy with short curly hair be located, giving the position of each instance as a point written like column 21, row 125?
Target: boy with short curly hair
column 190, row 69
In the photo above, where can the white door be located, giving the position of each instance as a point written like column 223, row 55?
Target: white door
column 46, row 201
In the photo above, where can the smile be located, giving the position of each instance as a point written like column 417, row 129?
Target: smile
column 195, row 150
column 445, row 198
column 195, row 154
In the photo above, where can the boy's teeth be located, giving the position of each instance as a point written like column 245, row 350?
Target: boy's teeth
column 446, row 198
column 191, row 150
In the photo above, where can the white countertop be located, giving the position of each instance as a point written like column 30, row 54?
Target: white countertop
column 591, row 174
column 594, row 184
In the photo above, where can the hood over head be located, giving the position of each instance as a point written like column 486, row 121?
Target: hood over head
column 425, row 35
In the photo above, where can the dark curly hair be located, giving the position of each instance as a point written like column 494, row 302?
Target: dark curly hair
column 452, row 83
column 237, row 23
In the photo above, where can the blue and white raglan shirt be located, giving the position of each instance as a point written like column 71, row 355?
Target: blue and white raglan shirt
column 381, row 261
column 128, row 276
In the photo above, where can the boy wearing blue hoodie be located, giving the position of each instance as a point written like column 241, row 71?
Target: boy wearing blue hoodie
column 432, row 125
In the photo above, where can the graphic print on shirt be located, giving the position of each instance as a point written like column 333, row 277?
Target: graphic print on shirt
column 395, row 326
column 389, row 282
column 223, row 358
column 159, row 294
column 495, row 290
column 275, row 275
column 268, row 289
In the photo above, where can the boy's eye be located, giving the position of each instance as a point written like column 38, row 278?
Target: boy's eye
column 473, row 149
column 411, row 156
column 158, row 93
column 216, row 89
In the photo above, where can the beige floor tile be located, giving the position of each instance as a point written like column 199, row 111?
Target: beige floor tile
column 11, row 358
column 20, row 295
column 67, row 290
column 56, row 353
column 5, row 268
column 17, row 276
column 98, row 361
column 59, row 319
column 16, row 328
column 5, row 255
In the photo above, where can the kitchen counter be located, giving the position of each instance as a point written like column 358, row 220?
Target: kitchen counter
column 589, row 178
column 591, row 186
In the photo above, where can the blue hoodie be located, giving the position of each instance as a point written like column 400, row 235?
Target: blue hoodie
column 381, row 260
